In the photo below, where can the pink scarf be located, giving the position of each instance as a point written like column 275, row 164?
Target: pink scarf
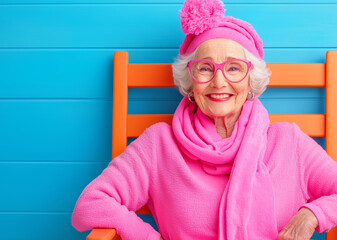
column 246, row 210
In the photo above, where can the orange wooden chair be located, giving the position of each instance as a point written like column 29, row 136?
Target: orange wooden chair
column 160, row 75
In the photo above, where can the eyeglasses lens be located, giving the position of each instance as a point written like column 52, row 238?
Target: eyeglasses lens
column 234, row 70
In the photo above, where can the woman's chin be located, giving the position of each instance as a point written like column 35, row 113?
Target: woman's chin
column 219, row 114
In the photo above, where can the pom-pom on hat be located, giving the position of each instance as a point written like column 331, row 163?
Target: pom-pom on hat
column 202, row 20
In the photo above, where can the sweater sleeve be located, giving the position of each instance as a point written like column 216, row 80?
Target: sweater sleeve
column 110, row 200
column 319, row 180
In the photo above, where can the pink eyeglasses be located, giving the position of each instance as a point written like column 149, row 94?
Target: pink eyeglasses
column 204, row 70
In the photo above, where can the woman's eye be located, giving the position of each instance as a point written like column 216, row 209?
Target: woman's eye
column 205, row 69
column 233, row 68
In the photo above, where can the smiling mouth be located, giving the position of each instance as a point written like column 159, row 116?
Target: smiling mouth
column 219, row 96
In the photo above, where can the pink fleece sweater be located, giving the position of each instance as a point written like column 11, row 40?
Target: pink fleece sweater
column 184, row 199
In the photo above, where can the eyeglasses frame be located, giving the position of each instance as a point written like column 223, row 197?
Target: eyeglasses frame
column 221, row 67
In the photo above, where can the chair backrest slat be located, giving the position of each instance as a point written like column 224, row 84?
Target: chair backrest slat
column 150, row 75
column 284, row 74
column 137, row 123
column 331, row 105
column 119, row 103
column 297, row 74
column 331, row 115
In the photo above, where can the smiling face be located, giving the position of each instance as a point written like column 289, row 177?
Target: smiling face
column 219, row 97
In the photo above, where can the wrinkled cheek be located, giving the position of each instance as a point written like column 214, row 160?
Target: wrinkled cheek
column 201, row 104
column 243, row 96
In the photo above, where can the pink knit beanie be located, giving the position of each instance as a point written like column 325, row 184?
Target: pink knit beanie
column 202, row 20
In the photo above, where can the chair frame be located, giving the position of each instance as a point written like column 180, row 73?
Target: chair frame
column 284, row 75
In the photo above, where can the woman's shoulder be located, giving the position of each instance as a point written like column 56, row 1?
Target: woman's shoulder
column 159, row 130
column 159, row 127
column 281, row 145
column 286, row 135
column 159, row 135
column 283, row 134
column 282, row 128
column 286, row 129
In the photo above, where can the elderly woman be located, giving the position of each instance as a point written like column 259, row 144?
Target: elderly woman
column 221, row 171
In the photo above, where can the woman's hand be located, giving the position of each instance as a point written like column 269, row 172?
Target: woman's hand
column 300, row 227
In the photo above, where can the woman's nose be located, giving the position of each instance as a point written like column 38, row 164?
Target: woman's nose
column 219, row 80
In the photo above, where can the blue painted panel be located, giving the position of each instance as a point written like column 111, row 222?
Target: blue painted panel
column 88, row 25
column 297, row 55
column 318, row 236
column 38, row 226
column 119, row 26
column 55, row 130
column 276, row 100
column 279, row 106
column 321, row 141
column 44, row 187
column 172, row 93
column 56, row 74
column 89, row 73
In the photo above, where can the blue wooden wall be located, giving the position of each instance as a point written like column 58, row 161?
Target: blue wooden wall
column 56, row 68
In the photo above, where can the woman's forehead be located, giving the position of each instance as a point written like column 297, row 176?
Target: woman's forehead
column 220, row 48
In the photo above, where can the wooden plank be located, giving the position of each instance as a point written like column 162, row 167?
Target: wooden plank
column 102, row 234
column 84, row 73
column 172, row 93
column 136, row 124
column 55, row 130
column 56, row 73
column 311, row 124
column 120, row 103
column 331, row 116
column 38, row 226
column 331, row 106
column 303, row 74
column 45, row 186
column 150, row 75
column 88, row 73
column 108, row 26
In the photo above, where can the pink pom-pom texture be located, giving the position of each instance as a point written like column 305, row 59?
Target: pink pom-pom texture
column 198, row 16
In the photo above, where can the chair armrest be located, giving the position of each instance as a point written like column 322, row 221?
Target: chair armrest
column 103, row 234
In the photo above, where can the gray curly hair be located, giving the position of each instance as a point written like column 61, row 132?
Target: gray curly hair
column 259, row 75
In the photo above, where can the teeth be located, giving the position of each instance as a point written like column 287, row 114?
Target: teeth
column 219, row 96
